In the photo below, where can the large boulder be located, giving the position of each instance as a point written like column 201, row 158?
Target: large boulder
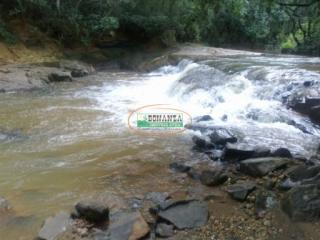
column 54, row 226
column 259, row 167
column 185, row 214
column 302, row 203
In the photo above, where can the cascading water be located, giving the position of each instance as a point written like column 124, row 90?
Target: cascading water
column 238, row 94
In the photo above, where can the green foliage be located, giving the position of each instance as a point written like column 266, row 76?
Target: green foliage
column 5, row 35
column 255, row 23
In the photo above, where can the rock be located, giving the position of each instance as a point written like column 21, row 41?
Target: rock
column 157, row 197
column 194, row 174
column 259, row 167
column 238, row 152
column 265, row 200
column 54, row 226
column 302, row 173
column 205, row 118
column 213, row 178
column 222, row 137
column 282, row 152
column 179, row 167
column 60, row 77
column 94, row 212
column 240, row 191
column 4, row 205
column 77, row 68
column 315, row 114
column 164, row 230
column 216, row 154
column 201, row 143
column 185, row 214
column 125, row 226
column 302, row 203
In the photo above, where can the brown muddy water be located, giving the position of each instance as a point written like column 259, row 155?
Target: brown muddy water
column 71, row 141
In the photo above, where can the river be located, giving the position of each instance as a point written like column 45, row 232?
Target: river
column 72, row 140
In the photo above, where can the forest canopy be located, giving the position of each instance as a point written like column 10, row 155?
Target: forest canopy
column 265, row 24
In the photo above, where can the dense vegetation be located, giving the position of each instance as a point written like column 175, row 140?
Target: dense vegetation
column 271, row 24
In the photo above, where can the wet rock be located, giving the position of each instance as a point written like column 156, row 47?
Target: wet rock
column 302, row 203
column 315, row 114
column 287, row 184
column 222, row 137
column 216, row 154
column 125, row 226
column 185, row 214
column 240, row 191
column 164, row 230
column 258, row 167
column 213, row 178
column 201, row 143
column 205, row 118
column 238, row 152
column 179, row 167
column 54, row 226
column 60, row 77
column 282, row 152
column 265, row 200
column 94, row 212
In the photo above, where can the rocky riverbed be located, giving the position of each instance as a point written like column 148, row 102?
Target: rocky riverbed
column 247, row 168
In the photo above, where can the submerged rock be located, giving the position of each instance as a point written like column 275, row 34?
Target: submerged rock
column 302, row 203
column 241, row 190
column 259, row 167
column 213, row 178
column 94, row 212
column 54, row 226
column 185, row 214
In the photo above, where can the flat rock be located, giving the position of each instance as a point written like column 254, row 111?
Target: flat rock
column 259, row 167
column 241, row 190
column 92, row 211
column 213, row 178
column 185, row 214
column 54, row 226
column 240, row 151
